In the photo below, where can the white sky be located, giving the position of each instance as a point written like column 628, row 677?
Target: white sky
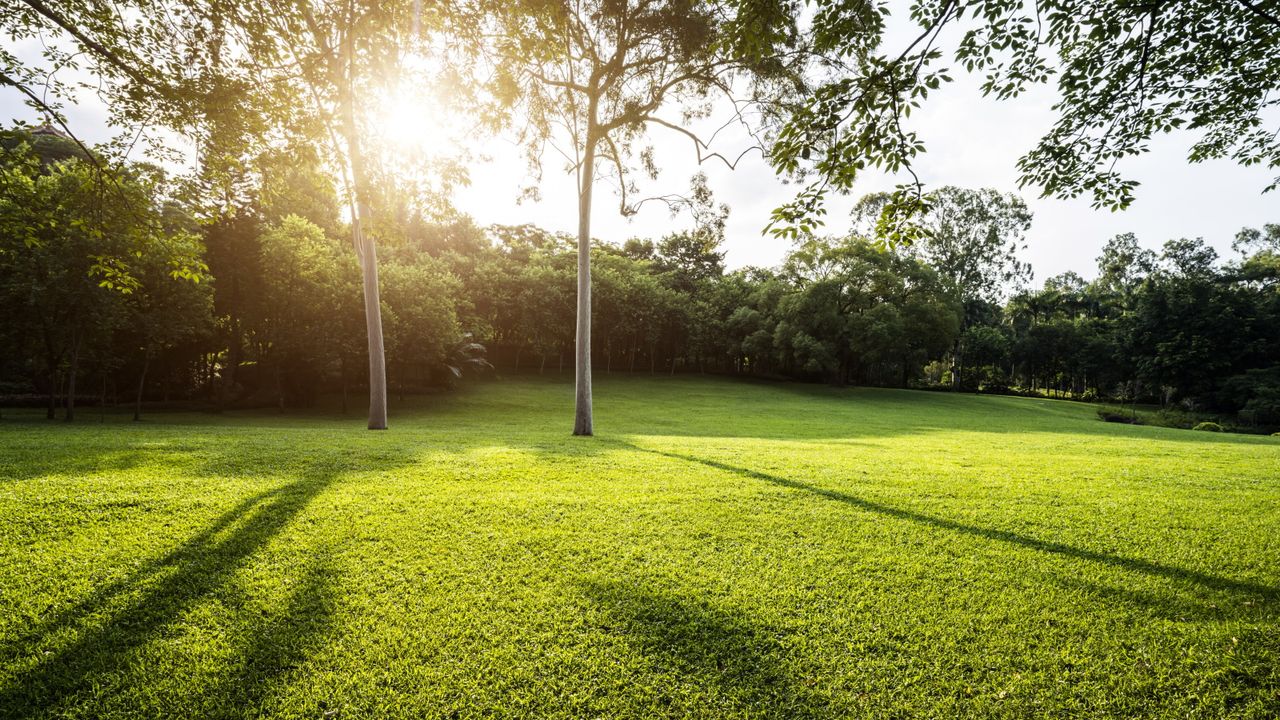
column 972, row 141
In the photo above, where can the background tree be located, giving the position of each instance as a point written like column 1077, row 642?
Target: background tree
column 597, row 73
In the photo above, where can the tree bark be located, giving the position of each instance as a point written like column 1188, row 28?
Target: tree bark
column 343, row 370
column 142, row 382
column 367, row 252
column 51, row 411
column 279, row 386
column 233, row 364
column 582, row 419
column 72, row 371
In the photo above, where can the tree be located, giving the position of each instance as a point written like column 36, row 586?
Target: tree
column 231, row 74
column 78, row 238
column 420, row 307
column 859, row 310
column 1126, row 72
column 300, row 301
column 973, row 239
column 602, row 71
column 172, row 304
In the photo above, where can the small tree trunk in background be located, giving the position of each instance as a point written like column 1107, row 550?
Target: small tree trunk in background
column 561, row 356
column 519, row 349
column 582, row 419
column 343, row 370
column 142, row 382
column 233, row 363
column 71, row 375
column 102, row 403
column 279, row 387
column 53, row 391
column 543, row 367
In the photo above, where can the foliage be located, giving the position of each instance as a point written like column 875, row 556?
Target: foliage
column 1208, row 427
column 1125, row 73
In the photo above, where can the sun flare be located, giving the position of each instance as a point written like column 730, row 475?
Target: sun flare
column 415, row 121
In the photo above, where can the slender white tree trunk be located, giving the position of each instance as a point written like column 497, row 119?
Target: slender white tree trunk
column 582, row 421
column 368, row 254
column 373, row 321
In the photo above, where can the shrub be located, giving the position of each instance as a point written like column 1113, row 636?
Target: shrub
column 1208, row 427
column 1115, row 417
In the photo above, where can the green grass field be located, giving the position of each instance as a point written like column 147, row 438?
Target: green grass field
column 720, row 549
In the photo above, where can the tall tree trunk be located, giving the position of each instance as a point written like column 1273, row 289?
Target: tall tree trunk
column 367, row 252
column 582, row 420
column 142, row 382
column 72, row 371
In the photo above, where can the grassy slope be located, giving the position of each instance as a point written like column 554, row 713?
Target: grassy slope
column 720, row 550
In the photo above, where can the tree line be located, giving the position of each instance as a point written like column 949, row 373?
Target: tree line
column 116, row 289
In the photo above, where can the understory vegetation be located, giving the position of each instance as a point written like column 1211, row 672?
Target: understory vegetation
column 722, row 549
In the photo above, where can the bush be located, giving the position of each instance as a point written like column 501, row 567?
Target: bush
column 1208, row 427
column 1255, row 395
column 1115, row 417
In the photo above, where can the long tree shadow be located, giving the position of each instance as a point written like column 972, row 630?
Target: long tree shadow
column 112, row 624
column 728, row 659
column 271, row 647
column 1147, row 567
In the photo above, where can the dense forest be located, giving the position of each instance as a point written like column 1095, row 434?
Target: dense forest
column 117, row 289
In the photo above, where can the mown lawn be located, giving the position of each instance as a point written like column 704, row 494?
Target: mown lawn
column 720, row 549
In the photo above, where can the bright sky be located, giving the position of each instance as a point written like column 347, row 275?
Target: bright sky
column 972, row 141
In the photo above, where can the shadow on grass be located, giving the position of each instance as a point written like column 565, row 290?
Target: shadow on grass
column 100, row 638
column 1147, row 567
column 729, row 660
